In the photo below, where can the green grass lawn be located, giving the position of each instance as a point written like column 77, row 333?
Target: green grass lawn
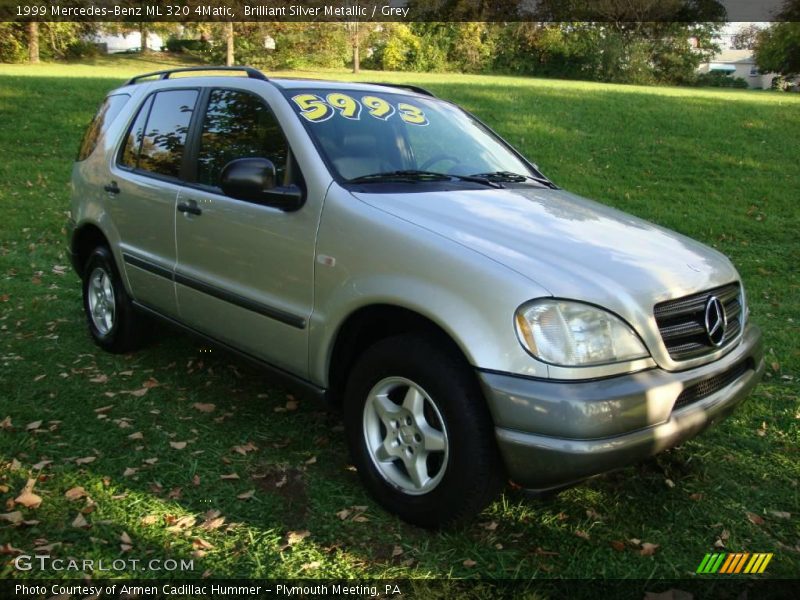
column 259, row 484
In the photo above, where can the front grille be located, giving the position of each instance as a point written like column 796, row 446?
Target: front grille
column 706, row 387
column 682, row 321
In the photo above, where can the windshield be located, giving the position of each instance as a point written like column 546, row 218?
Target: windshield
column 368, row 133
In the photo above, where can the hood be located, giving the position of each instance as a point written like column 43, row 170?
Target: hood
column 573, row 247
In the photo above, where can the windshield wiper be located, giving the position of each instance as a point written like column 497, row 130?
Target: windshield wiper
column 416, row 175
column 515, row 178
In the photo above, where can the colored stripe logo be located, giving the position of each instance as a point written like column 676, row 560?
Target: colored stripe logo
column 729, row 563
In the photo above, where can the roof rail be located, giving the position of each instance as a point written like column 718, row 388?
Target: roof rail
column 403, row 86
column 252, row 73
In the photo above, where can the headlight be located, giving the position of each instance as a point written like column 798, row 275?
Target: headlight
column 573, row 334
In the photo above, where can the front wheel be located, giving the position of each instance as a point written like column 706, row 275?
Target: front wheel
column 420, row 433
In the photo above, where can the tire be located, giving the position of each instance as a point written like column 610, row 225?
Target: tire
column 437, row 464
column 113, row 322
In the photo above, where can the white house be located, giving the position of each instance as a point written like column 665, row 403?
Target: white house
column 130, row 41
column 741, row 64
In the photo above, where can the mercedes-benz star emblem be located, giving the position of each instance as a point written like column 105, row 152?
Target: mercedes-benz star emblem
column 716, row 321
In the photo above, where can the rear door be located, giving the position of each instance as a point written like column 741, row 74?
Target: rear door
column 143, row 194
column 245, row 271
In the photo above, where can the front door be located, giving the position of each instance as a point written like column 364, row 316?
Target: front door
column 244, row 272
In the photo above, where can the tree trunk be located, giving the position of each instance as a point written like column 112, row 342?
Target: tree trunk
column 33, row 42
column 356, row 58
column 229, row 58
column 144, row 49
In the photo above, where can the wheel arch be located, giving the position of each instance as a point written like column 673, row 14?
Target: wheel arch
column 368, row 325
column 86, row 238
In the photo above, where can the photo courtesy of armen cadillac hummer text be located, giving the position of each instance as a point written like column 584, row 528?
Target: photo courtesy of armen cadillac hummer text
column 385, row 250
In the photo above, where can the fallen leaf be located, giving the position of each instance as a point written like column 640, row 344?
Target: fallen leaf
column 593, row 514
column 724, row 535
column 582, row 534
column 669, row 483
column 136, row 436
column 755, row 519
column 149, row 520
column 649, row 549
column 490, row 526
column 150, row 461
column 125, row 539
column 151, row 383
column 617, row 545
column 75, row 493
column 186, row 522
column 99, row 379
column 245, row 448
column 696, row 497
column 314, row 564
column 175, row 494
column 33, row 425
column 469, row 563
column 311, row 460
column 196, row 480
column 780, row 514
column 27, row 498
column 201, row 544
column 85, row 460
column 178, row 445
column 343, row 514
column 42, row 464
column 397, row 551
column 205, row 407
column 7, row 548
column 246, row 495
column 130, row 471
column 80, row 522
column 292, row 405
column 137, row 393
column 213, row 523
column 295, row 537
column 229, row 476
column 103, row 409
column 360, row 519
column 15, row 518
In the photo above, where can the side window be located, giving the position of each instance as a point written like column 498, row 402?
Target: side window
column 133, row 141
column 238, row 124
column 105, row 115
column 164, row 136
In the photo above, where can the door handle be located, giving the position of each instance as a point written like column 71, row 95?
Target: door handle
column 112, row 188
column 190, row 207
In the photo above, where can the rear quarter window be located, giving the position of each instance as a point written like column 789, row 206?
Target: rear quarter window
column 105, row 115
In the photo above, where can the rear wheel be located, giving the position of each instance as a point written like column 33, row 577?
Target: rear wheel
column 113, row 323
column 419, row 432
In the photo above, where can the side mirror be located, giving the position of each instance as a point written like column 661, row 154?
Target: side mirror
column 253, row 180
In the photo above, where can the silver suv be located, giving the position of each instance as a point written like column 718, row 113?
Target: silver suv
column 383, row 248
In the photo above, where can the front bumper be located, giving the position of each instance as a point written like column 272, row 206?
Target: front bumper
column 552, row 433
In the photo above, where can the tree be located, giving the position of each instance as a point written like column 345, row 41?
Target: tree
column 229, row 54
column 746, row 37
column 778, row 49
column 33, row 42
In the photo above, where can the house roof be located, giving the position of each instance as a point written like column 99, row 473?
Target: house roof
column 734, row 56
